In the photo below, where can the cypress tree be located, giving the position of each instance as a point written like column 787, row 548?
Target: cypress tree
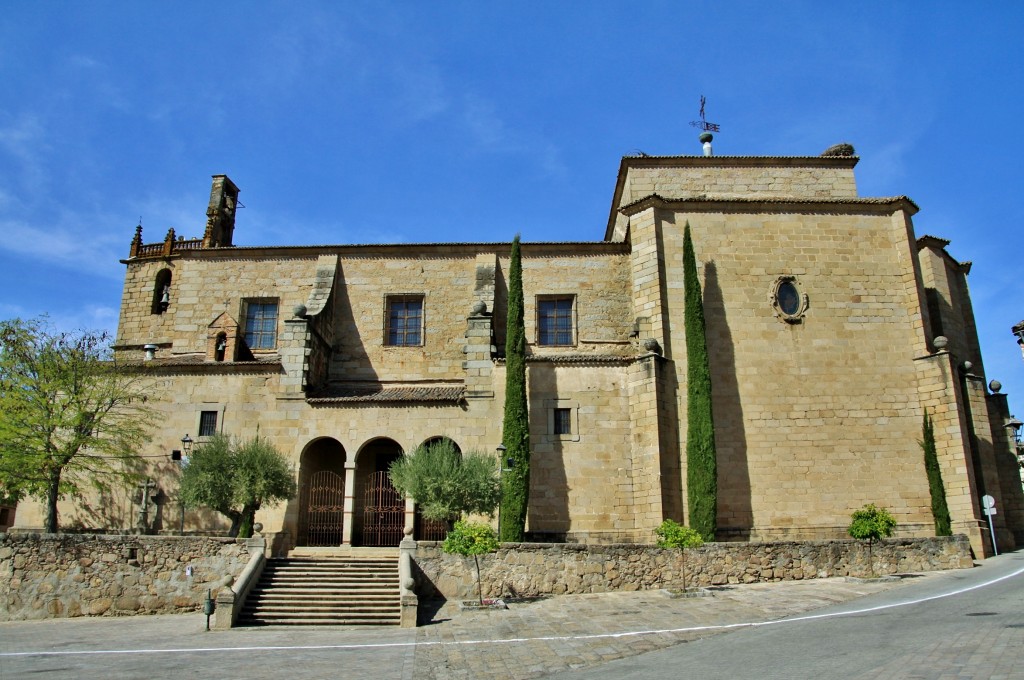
column 515, row 492
column 940, row 511
column 701, row 459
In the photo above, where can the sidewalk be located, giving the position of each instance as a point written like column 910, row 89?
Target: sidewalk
column 528, row 640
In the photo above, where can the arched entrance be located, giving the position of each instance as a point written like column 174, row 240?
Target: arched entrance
column 380, row 509
column 322, row 493
column 426, row 529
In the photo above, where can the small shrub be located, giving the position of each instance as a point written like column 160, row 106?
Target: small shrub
column 471, row 539
column 870, row 524
column 673, row 535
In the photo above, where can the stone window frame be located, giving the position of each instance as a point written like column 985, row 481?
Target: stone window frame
column 245, row 332
column 421, row 331
column 773, row 298
column 200, row 408
column 573, row 407
column 556, row 297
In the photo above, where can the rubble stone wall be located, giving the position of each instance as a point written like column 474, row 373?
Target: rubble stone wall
column 533, row 569
column 64, row 575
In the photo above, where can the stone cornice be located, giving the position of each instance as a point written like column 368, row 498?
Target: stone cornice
column 885, row 205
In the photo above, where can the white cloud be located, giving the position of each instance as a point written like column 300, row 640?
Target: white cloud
column 75, row 249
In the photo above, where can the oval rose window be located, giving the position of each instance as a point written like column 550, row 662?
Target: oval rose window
column 789, row 298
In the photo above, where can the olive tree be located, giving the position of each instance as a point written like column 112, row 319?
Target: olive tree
column 237, row 478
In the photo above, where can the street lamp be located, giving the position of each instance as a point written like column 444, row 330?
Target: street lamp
column 186, row 448
column 502, row 461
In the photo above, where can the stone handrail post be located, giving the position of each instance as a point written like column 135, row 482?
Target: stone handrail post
column 231, row 600
column 406, row 582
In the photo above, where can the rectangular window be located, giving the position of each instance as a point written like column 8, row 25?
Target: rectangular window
column 207, row 423
column 404, row 321
column 563, row 421
column 261, row 324
column 555, row 320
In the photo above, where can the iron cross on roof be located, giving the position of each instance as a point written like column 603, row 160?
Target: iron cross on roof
column 703, row 124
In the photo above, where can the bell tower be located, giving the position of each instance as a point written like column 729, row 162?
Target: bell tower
column 220, row 216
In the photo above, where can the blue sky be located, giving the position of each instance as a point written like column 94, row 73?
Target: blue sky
column 349, row 122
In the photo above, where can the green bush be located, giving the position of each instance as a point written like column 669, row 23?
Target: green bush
column 673, row 535
column 870, row 524
column 446, row 484
column 471, row 539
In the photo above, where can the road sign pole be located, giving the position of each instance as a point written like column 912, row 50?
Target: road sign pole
column 988, row 504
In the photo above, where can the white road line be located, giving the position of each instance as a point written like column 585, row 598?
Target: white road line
column 550, row 638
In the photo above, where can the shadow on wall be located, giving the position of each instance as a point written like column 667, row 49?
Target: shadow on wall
column 548, row 509
column 735, row 515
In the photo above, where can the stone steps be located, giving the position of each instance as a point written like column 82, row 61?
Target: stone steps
column 319, row 591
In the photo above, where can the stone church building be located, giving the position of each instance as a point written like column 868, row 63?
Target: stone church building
column 832, row 327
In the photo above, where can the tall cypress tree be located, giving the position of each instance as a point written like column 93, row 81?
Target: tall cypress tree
column 701, row 459
column 515, row 492
column 940, row 511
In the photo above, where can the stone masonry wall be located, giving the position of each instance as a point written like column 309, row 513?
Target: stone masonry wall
column 560, row 569
column 46, row 576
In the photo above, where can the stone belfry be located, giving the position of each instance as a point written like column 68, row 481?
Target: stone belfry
column 220, row 216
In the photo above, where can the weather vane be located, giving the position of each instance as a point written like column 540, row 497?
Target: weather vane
column 703, row 124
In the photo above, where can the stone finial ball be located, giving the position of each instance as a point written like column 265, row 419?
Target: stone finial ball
column 705, row 137
column 299, row 311
column 995, row 386
column 257, row 527
column 479, row 307
column 651, row 345
column 940, row 342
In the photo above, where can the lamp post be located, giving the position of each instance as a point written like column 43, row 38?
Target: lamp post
column 502, row 461
column 186, row 449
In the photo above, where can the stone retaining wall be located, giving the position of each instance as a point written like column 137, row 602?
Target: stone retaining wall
column 530, row 569
column 62, row 575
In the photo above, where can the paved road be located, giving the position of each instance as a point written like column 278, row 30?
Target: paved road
column 967, row 624
column 556, row 636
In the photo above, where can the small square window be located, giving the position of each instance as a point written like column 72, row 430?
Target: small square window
column 563, row 421
column 404, row 321
column 261, row 324
column 207, row 423
column 555, row 320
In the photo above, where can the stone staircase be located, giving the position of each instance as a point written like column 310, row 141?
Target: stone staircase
column 327, row 588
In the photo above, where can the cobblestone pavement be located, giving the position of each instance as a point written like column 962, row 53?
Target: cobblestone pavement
column 527, row 640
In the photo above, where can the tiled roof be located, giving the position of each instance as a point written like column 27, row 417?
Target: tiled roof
column 436, row 393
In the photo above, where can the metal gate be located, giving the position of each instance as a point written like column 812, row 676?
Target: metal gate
column 325, row 513
column 383, row 512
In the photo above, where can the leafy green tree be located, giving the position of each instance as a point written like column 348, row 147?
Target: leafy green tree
column 515, row 492
column 940, row 511
column 871, row 524
column 69, row 416
column 236, row 479
column 444, row 483
column 674, row 535
column 701, row 458
column 471, row 539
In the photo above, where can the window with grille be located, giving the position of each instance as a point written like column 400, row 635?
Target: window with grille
column 404, row 321
column 207, row 423
column 563, row 421
column 555, row 320
column 261, row 324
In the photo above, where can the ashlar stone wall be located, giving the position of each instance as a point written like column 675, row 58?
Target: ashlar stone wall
column 68, row 575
